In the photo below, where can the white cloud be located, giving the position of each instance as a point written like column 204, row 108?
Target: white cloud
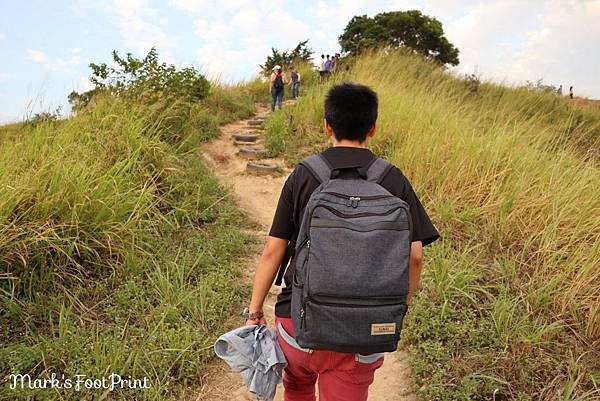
column 192, row 6
column 2, row 36
column 4, row 76
column 140, row 25
column 513, row 41
column 237, row 35
column 36, row 55
column 63, row 64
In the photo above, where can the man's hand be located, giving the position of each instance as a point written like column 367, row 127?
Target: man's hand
column 259, row 322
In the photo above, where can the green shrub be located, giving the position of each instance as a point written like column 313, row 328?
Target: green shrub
column 145, row 80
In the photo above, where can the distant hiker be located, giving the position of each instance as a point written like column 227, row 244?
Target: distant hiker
column 328, row 64
column 333, row 64
column 559, row 91
column 276, row 87
column 355, row 223
column 322, row 69
column 571, row 92
column 295, row 82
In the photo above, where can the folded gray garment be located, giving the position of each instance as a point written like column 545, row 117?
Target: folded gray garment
column 254, row 353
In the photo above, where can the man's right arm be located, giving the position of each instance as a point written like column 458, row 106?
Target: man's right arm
column 266, row 270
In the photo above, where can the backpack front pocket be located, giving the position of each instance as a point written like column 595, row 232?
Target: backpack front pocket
column 351, row 325
column 358, row 260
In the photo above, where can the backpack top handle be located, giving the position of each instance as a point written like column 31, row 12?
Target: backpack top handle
column 320, row 168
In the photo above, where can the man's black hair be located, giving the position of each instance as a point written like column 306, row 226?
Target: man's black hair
column 328, row 56
column 351, row 110
column 322, row 56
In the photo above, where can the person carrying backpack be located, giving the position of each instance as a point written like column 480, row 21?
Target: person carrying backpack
column 353, row 230
column 295, row 82
column 276, row 87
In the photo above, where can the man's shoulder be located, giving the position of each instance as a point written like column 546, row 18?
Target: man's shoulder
column 302, row 174
column 395, row 181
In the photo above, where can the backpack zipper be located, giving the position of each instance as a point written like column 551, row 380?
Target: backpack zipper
column 353, row 200
column 382, row 225
column 350, row 216
column 359, row 301
column 304, row 285
column 371, row 197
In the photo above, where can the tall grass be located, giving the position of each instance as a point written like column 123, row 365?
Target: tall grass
column 511, row 296
column 118, row 248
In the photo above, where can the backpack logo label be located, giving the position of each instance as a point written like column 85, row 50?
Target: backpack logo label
column 381, row 329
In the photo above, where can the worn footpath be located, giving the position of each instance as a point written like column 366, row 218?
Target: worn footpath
column 256, row 189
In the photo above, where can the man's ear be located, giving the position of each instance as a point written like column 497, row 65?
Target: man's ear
column 372, row 131
column 328, row 129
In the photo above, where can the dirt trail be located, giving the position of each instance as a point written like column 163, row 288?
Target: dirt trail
column 257, row 196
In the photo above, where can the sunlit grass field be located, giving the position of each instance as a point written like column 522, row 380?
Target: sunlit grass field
column 510, row 302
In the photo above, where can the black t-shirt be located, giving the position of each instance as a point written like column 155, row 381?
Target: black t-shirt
column 301, row 184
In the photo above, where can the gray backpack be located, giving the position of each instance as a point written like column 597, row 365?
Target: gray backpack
column 350, row 283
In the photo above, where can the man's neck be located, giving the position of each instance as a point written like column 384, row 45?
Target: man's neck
column 349, row 143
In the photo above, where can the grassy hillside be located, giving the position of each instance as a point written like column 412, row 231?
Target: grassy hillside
column 510, row 302
column 118, row 249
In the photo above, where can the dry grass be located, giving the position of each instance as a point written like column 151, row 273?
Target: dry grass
column 511, row 178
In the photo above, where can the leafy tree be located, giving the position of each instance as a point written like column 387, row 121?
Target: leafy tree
column 412, row 29
column 300, row 53
column 146, row 78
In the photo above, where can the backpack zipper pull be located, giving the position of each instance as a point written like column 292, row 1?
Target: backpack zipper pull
column 354, row 201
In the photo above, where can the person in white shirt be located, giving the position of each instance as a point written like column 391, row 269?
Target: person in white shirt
column 322, row 69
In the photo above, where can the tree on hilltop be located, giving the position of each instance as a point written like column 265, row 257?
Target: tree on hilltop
column 397, row 29
column 300, row 53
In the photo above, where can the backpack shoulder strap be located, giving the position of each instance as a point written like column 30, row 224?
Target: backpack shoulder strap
column 318, row 167
column 378, row 170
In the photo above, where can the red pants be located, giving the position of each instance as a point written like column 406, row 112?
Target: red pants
column 342, row 376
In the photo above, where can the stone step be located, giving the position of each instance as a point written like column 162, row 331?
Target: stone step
column 255, row 122
column 262, row 168
column 253, row 153
column 245, row 137
column 245, row 143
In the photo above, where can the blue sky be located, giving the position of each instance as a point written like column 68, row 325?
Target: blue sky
column 46, row 47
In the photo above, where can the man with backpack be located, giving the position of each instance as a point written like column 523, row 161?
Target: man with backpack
column 295, row 82
column 354, row 230
column 276, row 86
